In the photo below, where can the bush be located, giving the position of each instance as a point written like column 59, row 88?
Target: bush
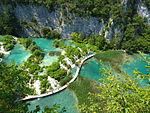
column 65, row 80
column 54, row 67
column 8, row 47
column 1, row 55
column 49, row 33
column 43, row 90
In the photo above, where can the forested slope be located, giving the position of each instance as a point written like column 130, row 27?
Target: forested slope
column 119, row 21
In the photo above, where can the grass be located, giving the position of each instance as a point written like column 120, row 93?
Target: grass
column 82, row 86
column 113, row 57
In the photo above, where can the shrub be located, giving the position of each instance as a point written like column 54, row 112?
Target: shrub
column 43, row 90
column 8, row 47
column 65, row 80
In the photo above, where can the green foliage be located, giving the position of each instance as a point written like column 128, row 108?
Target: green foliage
column 13, row 83
column 65, row 80
column 36, row 57
column 8, row 42
column 119, row 93
column 147, row 3
column 114, row 43
column 44, row 85
column 96, row 8
column 49, row 33
column 34, row 69
column 72, row 51
column 29, row 44
column 82, row 86
column 58, row 43
column 59, row 74
column 43, row 90
column 136, row 35
column 54, row 67
column 2, row 55
column 60, row 58
column 140, row 44
column 113, row 57
column 8, row 22
column 8, row 47
column 55, row 71
column 37, row 54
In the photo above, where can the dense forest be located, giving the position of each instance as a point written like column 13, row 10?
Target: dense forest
column 134, row 36
column 135, row 31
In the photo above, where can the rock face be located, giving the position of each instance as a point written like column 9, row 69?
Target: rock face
column 56, row 21
column 67, row 24
column 143, row 11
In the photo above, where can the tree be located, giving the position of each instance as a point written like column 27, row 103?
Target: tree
column 13, row 85
column 8, row 23
column 120, row 93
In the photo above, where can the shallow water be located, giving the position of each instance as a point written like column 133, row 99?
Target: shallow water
column 92, row 69
column 48, row 60
column 45, row 44
column 65, row 99
column 18, row 55
column 129, row 67
column 138, row 64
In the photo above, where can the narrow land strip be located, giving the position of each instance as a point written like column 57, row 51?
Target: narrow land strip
column 63, row 87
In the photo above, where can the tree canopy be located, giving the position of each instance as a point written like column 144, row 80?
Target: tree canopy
column 120, row 93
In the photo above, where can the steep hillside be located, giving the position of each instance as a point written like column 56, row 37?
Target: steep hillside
column 123, row 20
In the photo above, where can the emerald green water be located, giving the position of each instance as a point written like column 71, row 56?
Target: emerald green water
column 129, row 67
column 45, row 44
column 65, row 99
column 91, row 69
column 138, row 64
column 18, row 55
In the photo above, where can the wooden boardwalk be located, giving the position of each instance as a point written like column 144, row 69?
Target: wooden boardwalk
column 61, row 88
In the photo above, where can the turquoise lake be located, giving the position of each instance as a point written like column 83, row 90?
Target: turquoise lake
column 65, row 99
column 138, row 64
column 129, row 67
column 47, row 46
column 18, row 55
column 90, row 69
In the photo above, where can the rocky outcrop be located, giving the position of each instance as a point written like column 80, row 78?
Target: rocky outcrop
column 66, row 24
column 56, row 21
